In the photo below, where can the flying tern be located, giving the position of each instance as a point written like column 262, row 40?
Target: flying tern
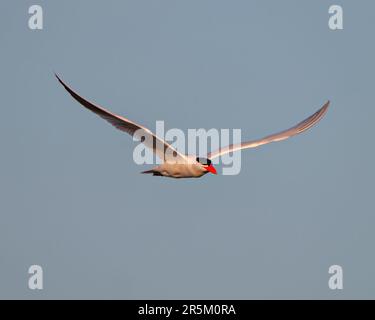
column 178, row 165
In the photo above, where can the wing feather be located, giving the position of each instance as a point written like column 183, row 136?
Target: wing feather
column 297, row 129
column 162, row 149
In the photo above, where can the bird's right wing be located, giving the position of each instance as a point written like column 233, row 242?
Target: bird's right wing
column 162, row 149
column 298, row 128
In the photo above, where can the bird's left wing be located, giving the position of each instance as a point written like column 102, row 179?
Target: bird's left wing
column 161, row 148
column 297, row 129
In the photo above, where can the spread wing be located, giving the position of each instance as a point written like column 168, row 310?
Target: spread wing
column 297, row 129
column 162, row 149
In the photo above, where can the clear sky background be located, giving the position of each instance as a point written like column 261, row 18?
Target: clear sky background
column 73, row 201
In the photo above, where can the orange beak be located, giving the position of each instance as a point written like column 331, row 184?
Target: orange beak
column 211, row 169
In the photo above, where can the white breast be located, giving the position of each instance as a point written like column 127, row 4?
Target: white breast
column 179, row 170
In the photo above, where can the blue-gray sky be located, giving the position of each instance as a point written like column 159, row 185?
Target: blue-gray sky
column 73, row 201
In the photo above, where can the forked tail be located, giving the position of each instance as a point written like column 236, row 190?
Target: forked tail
column 155, row 173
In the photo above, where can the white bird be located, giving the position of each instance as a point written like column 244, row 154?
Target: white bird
column 177, row 165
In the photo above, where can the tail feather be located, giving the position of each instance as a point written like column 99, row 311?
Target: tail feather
column 148, row 171
column 154, row 173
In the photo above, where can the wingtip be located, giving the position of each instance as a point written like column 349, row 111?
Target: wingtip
column 325, row 106
column 57, row 76
column 61, row 82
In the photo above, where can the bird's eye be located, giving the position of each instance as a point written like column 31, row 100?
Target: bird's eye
column 204, row 161
column 143, row 138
